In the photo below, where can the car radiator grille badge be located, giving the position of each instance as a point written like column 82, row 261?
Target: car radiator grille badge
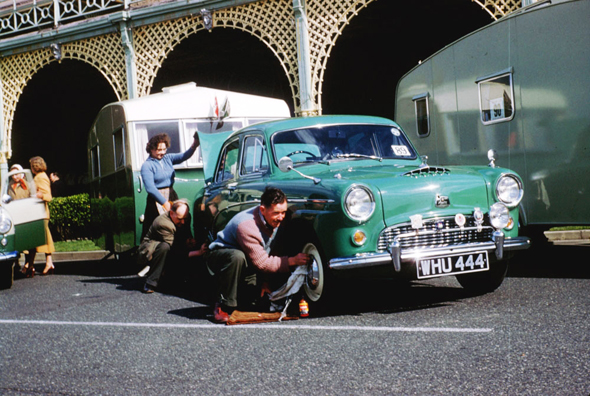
column 442, row 201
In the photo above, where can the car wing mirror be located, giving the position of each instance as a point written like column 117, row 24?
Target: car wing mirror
column 285, row 164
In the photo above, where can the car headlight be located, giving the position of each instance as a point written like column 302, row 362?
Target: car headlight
column 509, row 190
column 5, row 222
column 359, row 203
column 499, row 216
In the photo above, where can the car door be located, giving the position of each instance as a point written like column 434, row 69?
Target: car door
column 27, row 214
column 242, row 161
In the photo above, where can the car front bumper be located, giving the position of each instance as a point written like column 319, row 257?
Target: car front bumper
column 396, row 256
column 8, row 256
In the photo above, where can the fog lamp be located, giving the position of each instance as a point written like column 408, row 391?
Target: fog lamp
column 499, row 216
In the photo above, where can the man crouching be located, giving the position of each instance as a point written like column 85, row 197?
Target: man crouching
column 169, row 240
column 242, row 250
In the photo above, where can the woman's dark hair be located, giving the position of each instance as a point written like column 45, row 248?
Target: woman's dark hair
column 272, row 196
column 155, row 142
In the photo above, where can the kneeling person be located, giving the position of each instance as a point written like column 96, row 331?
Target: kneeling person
column 243, row 248
column 168, row 239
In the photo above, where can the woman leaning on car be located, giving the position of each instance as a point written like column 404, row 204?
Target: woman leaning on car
column 157, row 173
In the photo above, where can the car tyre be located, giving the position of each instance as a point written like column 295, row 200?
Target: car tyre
column 485, row 282
column 6, row 275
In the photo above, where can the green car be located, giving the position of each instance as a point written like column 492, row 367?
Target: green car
column 363, row 202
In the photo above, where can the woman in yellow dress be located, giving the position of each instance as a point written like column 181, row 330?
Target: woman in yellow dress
column 38, row 167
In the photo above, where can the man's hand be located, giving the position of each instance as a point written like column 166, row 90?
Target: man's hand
column 265, row 288
column 300, row 259
column 196, row 141
column 196, row 253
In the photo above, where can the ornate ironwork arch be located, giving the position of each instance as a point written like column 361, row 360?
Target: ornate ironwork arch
column 269, row 21
column 103, row 53
column 498, row 8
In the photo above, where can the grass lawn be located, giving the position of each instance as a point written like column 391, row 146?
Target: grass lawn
column 82, row 245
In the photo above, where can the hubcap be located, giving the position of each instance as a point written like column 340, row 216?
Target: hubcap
column 314, row 281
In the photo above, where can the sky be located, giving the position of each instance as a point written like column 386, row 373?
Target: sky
column 386, row 39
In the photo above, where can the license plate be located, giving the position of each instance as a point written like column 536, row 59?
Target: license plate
column 452, row 265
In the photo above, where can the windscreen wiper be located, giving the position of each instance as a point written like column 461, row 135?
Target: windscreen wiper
column 355, row 155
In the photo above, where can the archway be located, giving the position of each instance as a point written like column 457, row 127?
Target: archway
column 225, row 59
column 383, row 42
column 53, row 116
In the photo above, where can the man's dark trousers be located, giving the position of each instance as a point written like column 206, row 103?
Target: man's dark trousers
column 235, row 276
column 157, row 264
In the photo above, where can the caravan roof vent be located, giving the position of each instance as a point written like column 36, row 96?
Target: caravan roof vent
column 189, row 86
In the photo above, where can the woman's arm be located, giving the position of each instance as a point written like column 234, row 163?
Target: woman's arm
column 181, row 157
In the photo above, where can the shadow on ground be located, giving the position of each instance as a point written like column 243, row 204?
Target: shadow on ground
column 347, row 296
column 550, row 261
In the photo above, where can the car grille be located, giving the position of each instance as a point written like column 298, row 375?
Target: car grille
column 435, row 233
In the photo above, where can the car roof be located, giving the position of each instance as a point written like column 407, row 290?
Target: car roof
column 301, row 122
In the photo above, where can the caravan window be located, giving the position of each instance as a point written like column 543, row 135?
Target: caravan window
column 206, row 127
column 144, row 131
column 217, row 126
column 119, row 147
column 496, row 98
column 95, row 162
column 422, row 115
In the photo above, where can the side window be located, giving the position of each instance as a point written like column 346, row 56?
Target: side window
column 496, row 97
column 228, row 165
column 95, row 162
column 119, row 147
column 254, row 157
column 422, row 114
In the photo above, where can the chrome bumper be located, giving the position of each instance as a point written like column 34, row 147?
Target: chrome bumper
column 396, row 256
column 6, row 256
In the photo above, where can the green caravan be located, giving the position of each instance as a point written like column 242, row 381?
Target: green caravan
column 118, row 138
column 518, row 86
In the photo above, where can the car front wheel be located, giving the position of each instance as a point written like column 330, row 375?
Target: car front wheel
column 6, row 274
column 313, row 286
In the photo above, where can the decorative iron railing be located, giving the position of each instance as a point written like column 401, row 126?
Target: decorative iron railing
column 20, row 17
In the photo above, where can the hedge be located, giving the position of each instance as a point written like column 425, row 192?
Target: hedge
column 70, row 217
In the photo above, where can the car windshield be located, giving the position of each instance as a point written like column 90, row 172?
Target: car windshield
column 342, row 142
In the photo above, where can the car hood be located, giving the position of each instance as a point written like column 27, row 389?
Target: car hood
column 408, row 190
column 211, row 144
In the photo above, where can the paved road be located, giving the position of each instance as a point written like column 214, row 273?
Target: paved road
column 87, row 331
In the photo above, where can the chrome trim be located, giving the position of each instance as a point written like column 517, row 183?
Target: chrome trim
column 310, row 201
column 396, row 257
column 8, row 256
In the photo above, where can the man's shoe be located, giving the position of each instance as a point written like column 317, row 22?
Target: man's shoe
column 147, row 289
column 219, row 315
